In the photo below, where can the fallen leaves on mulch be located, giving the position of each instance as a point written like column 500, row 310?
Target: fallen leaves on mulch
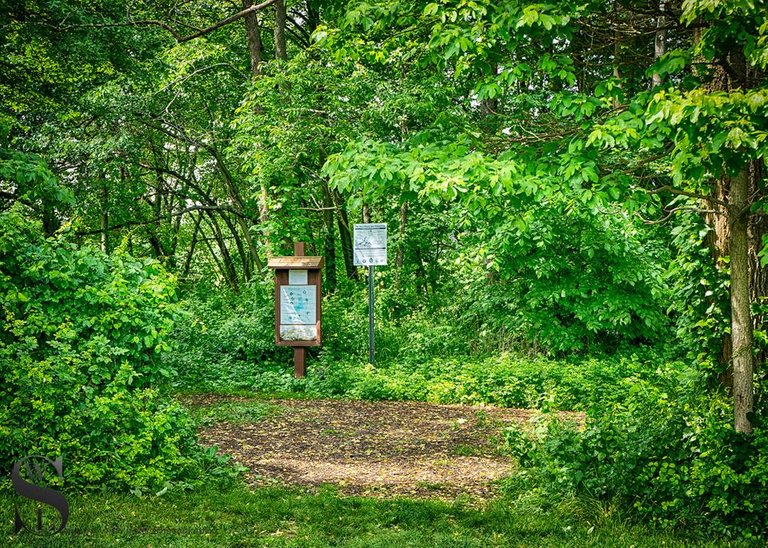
column 371, row 448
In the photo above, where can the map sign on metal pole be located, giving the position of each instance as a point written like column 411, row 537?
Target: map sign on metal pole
column 370, row 244
column 370, row 249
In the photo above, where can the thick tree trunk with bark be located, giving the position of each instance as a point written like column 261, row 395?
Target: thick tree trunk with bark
column 718, row 241
column 741, row 318
column 330, row 240
column 733, row 235
column 254, row 39
column 345, row 235
column 280, row 17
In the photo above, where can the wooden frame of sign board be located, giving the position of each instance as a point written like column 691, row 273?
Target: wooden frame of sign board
column 283, row 267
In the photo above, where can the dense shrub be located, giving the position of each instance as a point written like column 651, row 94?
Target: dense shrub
column 564, row 280
column 223, row 340
column 506, row 381
column 80, row 339
column 666, row 451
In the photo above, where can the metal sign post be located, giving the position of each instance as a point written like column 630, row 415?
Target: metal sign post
column 370, row 249
column 371, row 343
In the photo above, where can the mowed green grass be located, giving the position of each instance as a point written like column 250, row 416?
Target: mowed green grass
column 286, row 517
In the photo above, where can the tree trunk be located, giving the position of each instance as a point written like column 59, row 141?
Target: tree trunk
column 228, row 270
column 345, row 235
column 192, row 246
column 660, row 41
column 616, row 51
column 237, row 203
column 330, row 239
column 244, row 258
column 254, row 39
column 758, row 229
column 401, row 240
column 313, row 15
column 280, row 15
column 255, row 49
column 741, row 318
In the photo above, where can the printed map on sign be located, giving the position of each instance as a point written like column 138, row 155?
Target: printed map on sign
column 370, row 244
column 298, row 304
column 298, row 312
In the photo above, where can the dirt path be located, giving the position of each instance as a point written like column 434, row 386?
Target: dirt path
column 370, row 448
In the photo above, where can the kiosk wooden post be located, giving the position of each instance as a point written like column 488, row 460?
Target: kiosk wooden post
column 299, row 352
column 298, row 298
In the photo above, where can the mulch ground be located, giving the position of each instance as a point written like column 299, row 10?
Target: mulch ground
column 371, row 448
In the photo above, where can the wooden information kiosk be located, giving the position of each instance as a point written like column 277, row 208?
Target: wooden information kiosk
column 298, row 299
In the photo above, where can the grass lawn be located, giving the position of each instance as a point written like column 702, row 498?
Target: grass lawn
column 289, row 517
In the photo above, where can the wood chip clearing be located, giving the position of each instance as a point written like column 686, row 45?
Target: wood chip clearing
column 371, row 448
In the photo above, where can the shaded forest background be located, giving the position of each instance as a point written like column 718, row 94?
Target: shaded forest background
column 575, row 195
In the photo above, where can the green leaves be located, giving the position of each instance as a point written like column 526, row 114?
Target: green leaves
column 536, row 14
column 81, row 335
column 672, row 62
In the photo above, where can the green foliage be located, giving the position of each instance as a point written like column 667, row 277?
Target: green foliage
column 225, row 340
column 80, row 340
column 565, row 280
column 234, row 412
column 283, row 517
column 507, row 381
column 700, row 294
column 664, row 451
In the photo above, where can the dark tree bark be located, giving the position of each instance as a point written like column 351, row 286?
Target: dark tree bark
column 192, row 246
column 237, row 204
column 254, row 39
column 227, row 265
column 741, row 318
column 280, row 17
column 345, row 235
column 660, row 40
column 330, row 239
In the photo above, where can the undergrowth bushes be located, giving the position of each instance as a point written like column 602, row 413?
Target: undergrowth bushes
column 507, row 381
column 225, row 340
column 665, row 451
column 81, row 335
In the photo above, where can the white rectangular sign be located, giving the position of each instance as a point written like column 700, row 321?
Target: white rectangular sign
column 370, row 245
column 298, row 277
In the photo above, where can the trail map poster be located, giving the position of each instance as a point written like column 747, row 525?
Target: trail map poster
column 298, row 312
column 370, row 244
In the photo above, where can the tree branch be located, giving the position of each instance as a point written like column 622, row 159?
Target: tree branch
column 143, row 23
column 227, row 21
column 672, row 211
column 179, row 38
column 156, row 219
column 678, row 192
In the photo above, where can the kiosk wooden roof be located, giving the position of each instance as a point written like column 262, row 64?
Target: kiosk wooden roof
column 295, row 263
